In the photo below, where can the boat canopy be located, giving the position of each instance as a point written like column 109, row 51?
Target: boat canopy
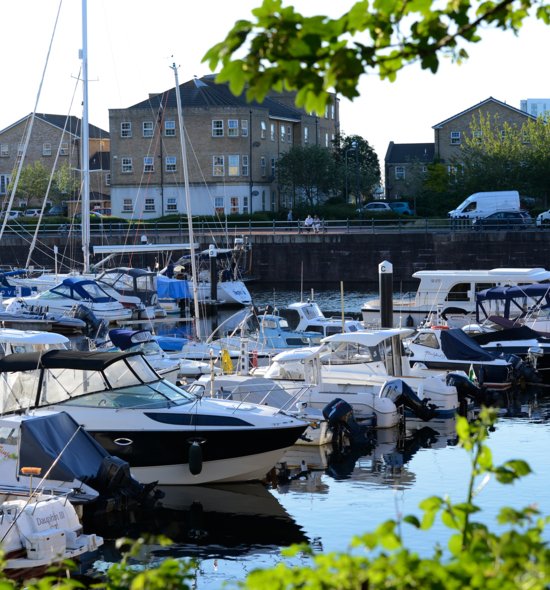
column 82, row 289
column 368, row 337
column 172, row 288
column 124, row 338
column 457, row 345
column 514, row 299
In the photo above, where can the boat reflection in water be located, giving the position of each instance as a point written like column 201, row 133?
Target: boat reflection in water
column 207, row 522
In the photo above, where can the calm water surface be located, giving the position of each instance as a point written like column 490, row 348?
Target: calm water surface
column 234, row 529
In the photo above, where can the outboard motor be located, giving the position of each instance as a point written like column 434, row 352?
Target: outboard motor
column 95, row 328
column 522, row 370
column 402, row 394
column 466, row 389
column 339, row 415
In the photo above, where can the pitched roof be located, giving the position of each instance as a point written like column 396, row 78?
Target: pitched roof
column 205, row 92
column 70, row 123
column 399, row 153
column 481, row 104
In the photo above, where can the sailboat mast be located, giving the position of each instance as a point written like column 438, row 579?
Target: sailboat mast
column 85, row 147
column 194, row 277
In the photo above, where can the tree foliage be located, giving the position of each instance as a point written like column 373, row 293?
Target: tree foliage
column 316, row 55
column 307, row 174
column 36, row 183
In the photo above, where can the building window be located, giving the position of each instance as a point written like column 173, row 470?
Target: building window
column 306, row 135
column 218, row 168
column 326, row 111
column 244, row 165
column 272, row 131
column 148, row 164
column 171, row 205
column 263, row 130
column 326, row 140
column 455, row 137
column 399, row 173
column 170, row 128
column 170, row 163
column 126, row 166
column 233, row 165
column 245, row 204
column 289, row 133
column 219, row 205
column 232, row 128
column 234, row 204
column 149, row 205
column 126, row 129
column 332, row 110
column 283, row 133
column 127, row 206
column 263, row 165
column 4, row 150
column 64, row 149
column 148, row 128
column 46, row 149
column 108, row 179
column 217, row 128
column 478, row 135
column 244, row 127
column 4, row 183
column 273, row 167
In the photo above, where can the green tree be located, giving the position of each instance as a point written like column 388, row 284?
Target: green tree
column 359, row 167
column 66, row 183
column 307, row 175
column 33, row 182
column 318, row 55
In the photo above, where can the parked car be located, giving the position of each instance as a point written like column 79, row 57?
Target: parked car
column 13, row 214
column 401, row 207
column 32, row 212
column 504, row 220
column 57, row 210
column 543, row 219
column 375, row 207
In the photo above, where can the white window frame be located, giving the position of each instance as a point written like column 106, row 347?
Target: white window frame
column 126, row 165
column 244, row 127
column 272, row 131
column 273, row 164
column 47, row 149
column 283, row 133
column 232, row 127
column 4, row 183
column 4, row 150
column 263, row 165
column 219, row 205
column 233, row 165
column 107, row 179
column 234, row 205
column 218, row 166
column 170, row 164
column 263, row 130
column 149, row 205
column 400, row 173
column 245, row 204
column 148, row 164
column 244, row 165
column 148, row 128
column 217, row 127
column 455, row 138
column 171, row 205
column 127, row 206
column 64, row 148
column 306, row 134
column 170, row 128
column 326, row 139
column 289, row 134
column 125, row 129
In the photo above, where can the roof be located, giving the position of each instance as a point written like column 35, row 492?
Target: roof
column 399, row 153
column 368, row 337
column 61, row 359
column 70, row 123
column 480, row 105
column 205, row 92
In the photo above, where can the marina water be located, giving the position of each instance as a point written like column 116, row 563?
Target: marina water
column 230, row 530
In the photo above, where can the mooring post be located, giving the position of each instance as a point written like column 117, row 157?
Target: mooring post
column 385, row 275
column 213, row 255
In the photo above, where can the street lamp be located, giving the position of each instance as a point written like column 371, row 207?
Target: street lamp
column 353, row 148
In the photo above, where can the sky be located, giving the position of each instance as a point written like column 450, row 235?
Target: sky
column 132, row 44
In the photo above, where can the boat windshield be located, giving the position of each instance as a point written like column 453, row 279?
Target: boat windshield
column 348, row 353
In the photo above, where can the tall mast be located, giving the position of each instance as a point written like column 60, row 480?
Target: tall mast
column 188, row 204
column 85, row 144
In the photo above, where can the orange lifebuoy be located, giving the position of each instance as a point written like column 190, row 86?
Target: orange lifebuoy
column 440, row 327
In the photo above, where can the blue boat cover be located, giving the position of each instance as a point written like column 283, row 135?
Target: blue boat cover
column 172, row 288
column 458, row 346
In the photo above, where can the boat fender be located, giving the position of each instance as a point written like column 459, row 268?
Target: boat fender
column 195, row 456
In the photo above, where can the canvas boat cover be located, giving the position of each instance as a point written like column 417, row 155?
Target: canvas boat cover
column 457, row 345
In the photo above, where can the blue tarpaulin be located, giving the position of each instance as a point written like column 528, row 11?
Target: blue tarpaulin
column 172, row 288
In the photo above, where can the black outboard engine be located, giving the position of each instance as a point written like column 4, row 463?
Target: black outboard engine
column 522, row 370
column 339, row 415
column 466, row 389
column 402, row 394
column 95, row 327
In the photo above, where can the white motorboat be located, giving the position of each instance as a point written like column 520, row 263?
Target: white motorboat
column 449, row 293
column 73, row 291
column 165, row 433
column 13, row 340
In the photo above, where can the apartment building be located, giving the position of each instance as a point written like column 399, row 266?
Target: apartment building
column 231, row 150
column 54, row 137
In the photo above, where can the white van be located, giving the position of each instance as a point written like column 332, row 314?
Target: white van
column 480, row 205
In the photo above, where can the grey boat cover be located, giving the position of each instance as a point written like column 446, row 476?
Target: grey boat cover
column 458, row 346
column 43, row 438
